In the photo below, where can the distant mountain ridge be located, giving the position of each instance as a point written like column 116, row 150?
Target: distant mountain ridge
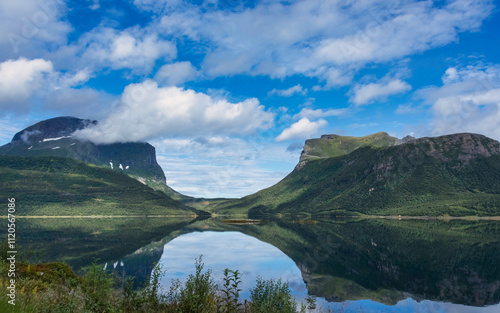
column 53, row 137
column 455, row 174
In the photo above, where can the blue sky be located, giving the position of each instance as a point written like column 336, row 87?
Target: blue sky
column 227, row 91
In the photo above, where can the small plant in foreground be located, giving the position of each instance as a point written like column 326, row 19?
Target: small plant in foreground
column 270, row 296
column 231, row 292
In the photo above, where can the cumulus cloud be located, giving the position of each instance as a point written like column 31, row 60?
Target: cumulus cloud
column 20, row 78
column 290, row 91
column 304, row 128
column 24, row 82
column 148, row 111
column 364, row 94
column 330, row 40
column 31, row 27
column 134, row 48
column 468, row 101
column 176, row 74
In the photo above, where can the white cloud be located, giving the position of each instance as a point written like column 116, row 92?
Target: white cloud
column 24, row 83
column 313, row 114
column 469, row 101
column 304, row 128
column 221, row 166
column 474, row 72
column 134, row 48
column 290, row 91
column 407, row 109
column 31, row 27
column 176, row 74
column 20, row 78
column 171, row 111
column 330, row 40
column 363, row 94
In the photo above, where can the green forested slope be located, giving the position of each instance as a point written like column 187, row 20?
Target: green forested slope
column 457, row 175
column 61, row 186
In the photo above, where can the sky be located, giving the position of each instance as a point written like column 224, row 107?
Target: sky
column 228, row 91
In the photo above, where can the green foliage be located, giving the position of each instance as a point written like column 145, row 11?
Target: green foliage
column 97, row 286
column 269, row 296
column 58, row 186
column 199, row 292
column 96, row 291
column 230, row 292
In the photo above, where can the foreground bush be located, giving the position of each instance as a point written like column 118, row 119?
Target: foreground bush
column 54, row 288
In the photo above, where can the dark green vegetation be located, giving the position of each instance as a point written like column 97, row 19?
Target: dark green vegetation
column 54, row 138
column 54, row 288
column 61, row 186
column 77, row 241
column 456, row 175
column 388, row 260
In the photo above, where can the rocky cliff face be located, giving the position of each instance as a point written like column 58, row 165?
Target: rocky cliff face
column 53, row 137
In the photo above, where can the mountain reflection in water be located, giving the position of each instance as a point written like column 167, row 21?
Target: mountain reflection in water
column 232, row 250
column 376, row 264
column 254, row 258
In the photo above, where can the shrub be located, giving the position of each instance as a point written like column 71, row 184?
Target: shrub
column 270, row 296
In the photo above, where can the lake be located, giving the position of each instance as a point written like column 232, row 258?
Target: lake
column 349, row 265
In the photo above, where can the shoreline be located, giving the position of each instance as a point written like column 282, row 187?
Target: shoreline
column 101, row 216
column 389, row 217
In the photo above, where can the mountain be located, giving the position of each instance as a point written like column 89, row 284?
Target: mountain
column 329, row 146
column 53, row 137
column 63, row 186
column 456, row 174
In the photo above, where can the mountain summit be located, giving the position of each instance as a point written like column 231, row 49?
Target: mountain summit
column 329, row 146
column 54, row 137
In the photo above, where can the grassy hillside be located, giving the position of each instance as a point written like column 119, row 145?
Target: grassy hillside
column 329, row 146
column 61, row 186
column 452, row 175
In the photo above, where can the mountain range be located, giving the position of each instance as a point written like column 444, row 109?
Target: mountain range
column 457, row 175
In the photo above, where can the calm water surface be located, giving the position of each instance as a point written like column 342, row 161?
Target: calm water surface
column 349, row 265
